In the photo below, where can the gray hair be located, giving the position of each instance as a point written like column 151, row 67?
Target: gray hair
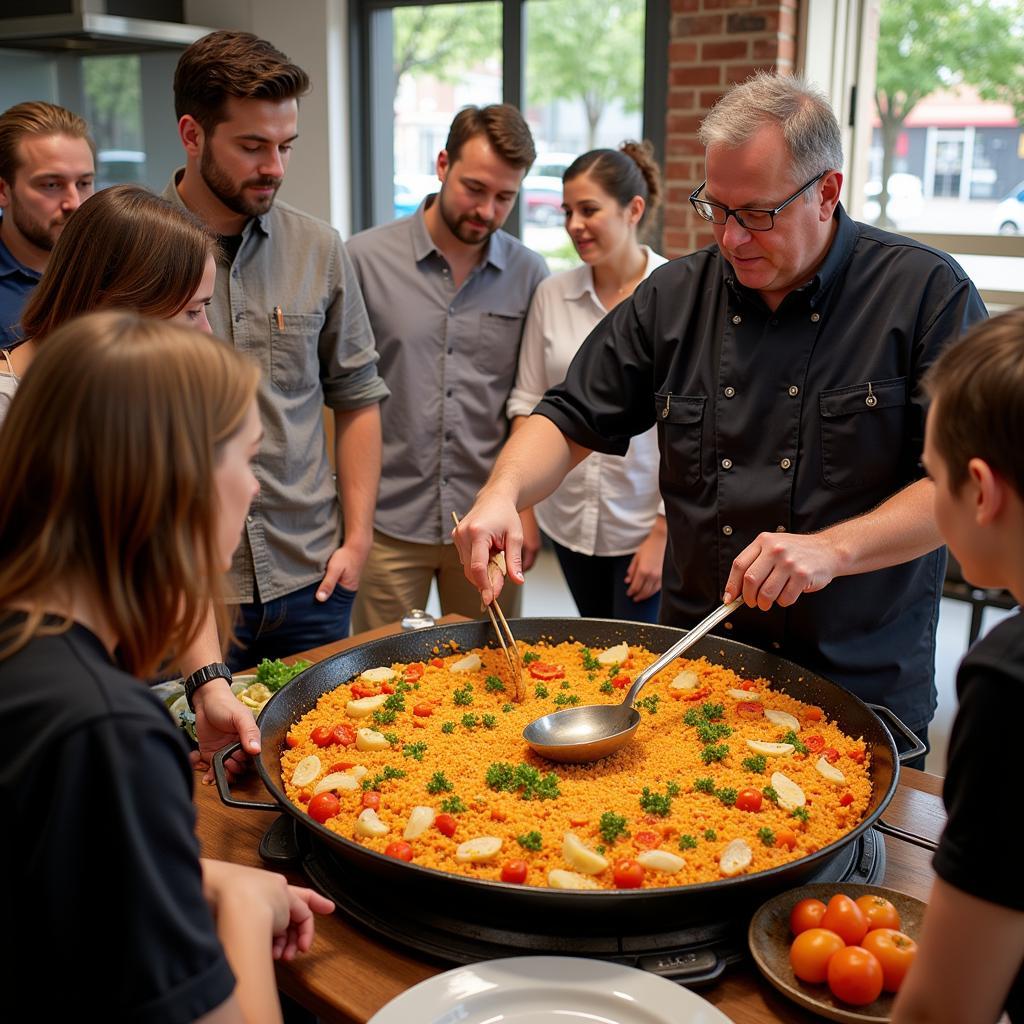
column 801, row 109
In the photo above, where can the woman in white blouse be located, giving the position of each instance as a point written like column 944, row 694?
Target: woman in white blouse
column 606, row 519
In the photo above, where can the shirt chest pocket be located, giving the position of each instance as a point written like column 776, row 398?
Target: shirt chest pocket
column 680, row 420
column 495, row 352
column 294, row 339
column 863, row 433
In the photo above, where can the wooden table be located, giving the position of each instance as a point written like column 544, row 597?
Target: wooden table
column 348, row 975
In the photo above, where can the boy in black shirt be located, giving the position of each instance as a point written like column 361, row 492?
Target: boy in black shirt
column 971, row 950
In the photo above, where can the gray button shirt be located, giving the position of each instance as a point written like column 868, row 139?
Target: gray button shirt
column 318, row 352
column 449, row 357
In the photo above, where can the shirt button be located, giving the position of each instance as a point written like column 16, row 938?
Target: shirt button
column 447, row 437
column 815, row 317
column 727, row 530
column 448, row 393
column 444, row 481
column 238, row 316
column 451, row 311
column 786, row 463
column 793, row 391
column 776, row 645
column 726, row 463
column 248, row 519
column 780, row 529
column 729, row 392
column 736, row 318
column 450, row 350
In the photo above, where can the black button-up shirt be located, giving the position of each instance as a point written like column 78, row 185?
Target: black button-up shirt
column 787, row 420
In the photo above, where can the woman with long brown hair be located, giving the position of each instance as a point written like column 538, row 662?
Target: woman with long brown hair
column 125, row 479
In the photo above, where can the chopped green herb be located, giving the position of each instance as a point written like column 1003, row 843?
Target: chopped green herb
column 564, row 684
column 492, row 684
column 687, row 842
column 727, row 795
column 395, row 702
column 378, row 780
column 757, row 763
column 541, row 691
column 600, row 849
column 655, row 803
column 453, row 805
column 767, row 836
column 530, row 656
column 712, row 711
column 384, row 716
column 606, row 687
column 711, row 732
column 530, row 841
column 391, row 738
column 801, row 814
column 612, row 826
column 274, row 674
column 692, row 717
column 650, row 704
column 499, row 775
column 715, row 752
column 770, row 794
column 506, row 708
column 489, row 721
column 463, row 696
column 502, row 776
column 590, row 663
column 710, row 835
column 448, row 728
column 414, row 750
column 439, row 784
column 470, row 721
column 402, row 687
column 791, row 737
column 563, row 699
column 704, row 785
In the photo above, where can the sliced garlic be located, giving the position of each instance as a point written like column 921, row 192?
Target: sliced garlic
column 771, row 749
column 829, row 771
column 581, row 857
column 783, row 719
column 736, row 857
column 661, row 860
column 559, row 879
column 378, row 675
column 368, row 824
column 343, row 782
column 685, row 680
column 479, row 850
column 365, row 706
column 357, row 771
column 370, row 739
column 420, row 819
column 614, row 655
column 790, row 795
column 470, row 663
column 306, row 771
column 745, row 695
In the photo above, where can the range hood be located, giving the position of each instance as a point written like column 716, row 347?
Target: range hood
column 96, row 26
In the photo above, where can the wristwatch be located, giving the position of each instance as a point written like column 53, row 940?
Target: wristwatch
column 201, row 676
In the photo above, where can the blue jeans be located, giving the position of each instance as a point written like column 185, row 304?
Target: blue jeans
column 288, row 625
column 597, row 584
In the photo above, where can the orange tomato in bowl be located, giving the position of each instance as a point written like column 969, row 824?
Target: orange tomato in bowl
column 806, row 914
column 855, row 976
column 880, row 913
column 894, row 951
column 846, row 919
column 812, row 952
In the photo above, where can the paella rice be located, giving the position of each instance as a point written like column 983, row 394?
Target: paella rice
column 426, row 762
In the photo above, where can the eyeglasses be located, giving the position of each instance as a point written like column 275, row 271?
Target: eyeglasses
column 752, row 220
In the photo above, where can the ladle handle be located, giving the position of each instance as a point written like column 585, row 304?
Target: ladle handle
column 701, row 629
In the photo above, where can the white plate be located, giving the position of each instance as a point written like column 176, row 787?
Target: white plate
column 548, row 990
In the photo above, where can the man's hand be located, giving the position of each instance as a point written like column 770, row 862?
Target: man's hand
column 221, row 719
column 345, row 566
column 531, row 538
column 643, row 577
column 492, row 525
column 776, row 568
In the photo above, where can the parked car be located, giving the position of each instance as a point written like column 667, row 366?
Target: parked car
column 543, row 205
column 1010, row 212
column 906, row 197
column 120, row 167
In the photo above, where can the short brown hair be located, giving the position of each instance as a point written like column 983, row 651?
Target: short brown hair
column 238, row 64
column 35, row 118
column 976, row 386
column 505, row 128
column 124, row 248
column 107, row 478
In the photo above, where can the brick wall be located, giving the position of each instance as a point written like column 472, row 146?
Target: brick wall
column 712, row 43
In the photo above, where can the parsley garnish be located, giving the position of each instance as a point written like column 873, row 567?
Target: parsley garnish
column 714, row 752
column 655, row 803
column 439, row 784
column 612, row 826
column 492, row 684
column 540, row 690
column 470, row 721
column 770, row 794
column 767, row 836
column 506, row 708
column 522, row 778
column 489, row 721
column 650, row 704
column 801, row 814
column 757, row 763
column 530, row 841
column 791, row 737
column 563, row 699
column 710, row 835
column 384, row 776
column 727, row 795
column 414, row 750
column 710, row 732
column 590, row 663
column 396, row 702
column 704, row 785
column 463, row 697
column 712, row 711
column 448, row 728
column 606, row 687
column 687, row 842
column 453, row 805
column 530, row 656
column 384, row 717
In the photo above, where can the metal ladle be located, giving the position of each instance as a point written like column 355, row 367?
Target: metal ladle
column 587, row 733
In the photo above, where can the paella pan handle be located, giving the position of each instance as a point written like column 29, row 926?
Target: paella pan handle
column 224, row 786
column 891, row 722
column 907, row 837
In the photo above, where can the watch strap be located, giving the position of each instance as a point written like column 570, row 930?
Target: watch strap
column 201, row 676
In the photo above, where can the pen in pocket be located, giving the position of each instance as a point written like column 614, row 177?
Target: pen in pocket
column 279, row 316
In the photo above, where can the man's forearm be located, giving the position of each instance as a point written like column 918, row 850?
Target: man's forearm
column 357, row 448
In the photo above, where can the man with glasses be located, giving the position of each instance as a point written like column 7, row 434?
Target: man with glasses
column 783, row 367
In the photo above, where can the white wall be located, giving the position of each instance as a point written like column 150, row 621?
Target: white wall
column 314, row 34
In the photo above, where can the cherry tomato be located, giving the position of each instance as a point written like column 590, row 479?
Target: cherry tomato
column 857, row 755
column 371, row 799
column 844, row 801
column 628, row 874
column 341, row 766
column 423, row 710
column 813, row 714
column 546, row 671
column 646, row 839
column 846, row 919
column 305, row 795
column 879, row 912
column 344, row 734
column 387, row 687
column 815, row 743
column 749, row 800
column 621, row 682
column 749, row 709
column 414, row 671
column 446, row 824
column 894, row 951
column 323, row 736
column 805, row 915
column 437, row 662
column 785, row 837
column 292, row 741
column 513, row 871
column 365, row 689
column 831, row 754
column 323, row 806
column 399, row 849
column 748, row 684
column 811, row 952
column 700, row 694
column 855, row 976
column 497, row 815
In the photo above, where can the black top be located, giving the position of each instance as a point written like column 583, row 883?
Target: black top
column 976, row 852
column 100, row 864
column 789, row 420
